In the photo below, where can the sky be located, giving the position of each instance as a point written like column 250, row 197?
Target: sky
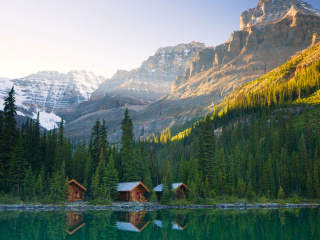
column 103, row 36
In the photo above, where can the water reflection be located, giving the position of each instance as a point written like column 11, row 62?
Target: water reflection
column 74, row 222
column 176, row 224
column 132, row 221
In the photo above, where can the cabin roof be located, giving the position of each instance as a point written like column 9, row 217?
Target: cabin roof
column 75, row 182
column 129, row 186
column 159, row 188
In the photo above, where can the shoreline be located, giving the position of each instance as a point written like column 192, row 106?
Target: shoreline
column 136, row 207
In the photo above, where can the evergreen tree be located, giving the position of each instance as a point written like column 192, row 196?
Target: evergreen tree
column 28, row 190
column 9, row 134
column 206, row 149
column 111, row 179
column 39, row 186
column 281, row 194
column 153, row 197
column 310, row 188
column 316, row 181
column 95, row 144
column 127, row 147
column 250, row 192
column 18, row 166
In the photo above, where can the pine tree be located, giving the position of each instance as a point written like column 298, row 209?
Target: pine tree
column 95, row 144
column 36, row 158
column 39, row 186
column 250, row 193
column 192, row 193
column 95, row 186
column 316, row 179
column 153, row 197
column 310, row 187
column 127, row 147
column 111, row 179
column 206, row 149
column 103, row 138
column 18, row 166
column 9, row 134
column 28, row 190
column 166, row 195
column 182, row 170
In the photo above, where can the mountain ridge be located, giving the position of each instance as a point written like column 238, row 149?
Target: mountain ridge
column 217, row 71
column 50, row 93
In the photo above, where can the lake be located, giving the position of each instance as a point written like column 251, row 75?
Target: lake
column 165, row 224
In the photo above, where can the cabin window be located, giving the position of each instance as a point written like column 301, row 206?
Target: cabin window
column 138, row 193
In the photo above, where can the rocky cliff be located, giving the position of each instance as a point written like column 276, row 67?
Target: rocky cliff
column 154, row 77
column 269, row 35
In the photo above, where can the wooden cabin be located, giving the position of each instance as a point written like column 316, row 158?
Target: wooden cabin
column 132, row 191
column 76, row 191
column 132, row 221
column 180, row 190
column 74, row 222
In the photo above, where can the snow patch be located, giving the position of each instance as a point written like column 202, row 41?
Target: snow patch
column 48, row 120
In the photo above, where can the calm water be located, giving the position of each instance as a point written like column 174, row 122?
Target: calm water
column 177, row 224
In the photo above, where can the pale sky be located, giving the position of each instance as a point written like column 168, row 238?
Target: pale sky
column 103, row 36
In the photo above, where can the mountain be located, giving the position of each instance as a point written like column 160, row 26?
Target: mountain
column 134, row 89
column 249, row 53
column 154, row 77
column 51, row 93
column 269, row 35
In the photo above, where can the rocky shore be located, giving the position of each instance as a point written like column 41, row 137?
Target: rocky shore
column 136, row 206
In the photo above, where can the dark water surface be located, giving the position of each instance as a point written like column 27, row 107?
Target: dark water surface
column 173, row 224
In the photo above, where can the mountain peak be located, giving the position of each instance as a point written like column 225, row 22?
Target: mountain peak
column 269, row 12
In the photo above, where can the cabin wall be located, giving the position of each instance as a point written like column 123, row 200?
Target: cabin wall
column 124, row 196
column 181, row 192
column 75, row 193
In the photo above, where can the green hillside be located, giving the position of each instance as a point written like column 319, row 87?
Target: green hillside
column 261, row 141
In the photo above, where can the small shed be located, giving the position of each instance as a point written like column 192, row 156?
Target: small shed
column 179, row 188
column 132, row 191
column 76, row 191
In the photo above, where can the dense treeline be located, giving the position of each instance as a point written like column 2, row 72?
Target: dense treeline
column 252, row 148
column 254, row 152
column 37, row 165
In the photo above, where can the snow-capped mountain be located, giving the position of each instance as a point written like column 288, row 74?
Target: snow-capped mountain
column 49, row 92
column 272, row 11
column 154, row 77
column 270, row 35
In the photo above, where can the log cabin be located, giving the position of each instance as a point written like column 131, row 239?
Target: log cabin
column 132, row 191
column 180, row 190
column 76, row 191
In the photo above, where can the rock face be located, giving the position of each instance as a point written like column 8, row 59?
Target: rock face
column 274, row 32
column 271, row 11
column 269, row 35
column 51, row 93
column 154, row 77
column 134, row 89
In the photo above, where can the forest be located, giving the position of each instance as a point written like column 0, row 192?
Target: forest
column 260, row 144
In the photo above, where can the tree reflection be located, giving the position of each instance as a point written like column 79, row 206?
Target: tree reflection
column 175, row 224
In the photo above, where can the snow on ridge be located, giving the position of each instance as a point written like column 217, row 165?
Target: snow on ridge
column 46, row 91
column 48, row 120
